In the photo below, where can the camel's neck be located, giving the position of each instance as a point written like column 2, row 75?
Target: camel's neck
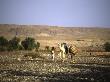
column 62, row 48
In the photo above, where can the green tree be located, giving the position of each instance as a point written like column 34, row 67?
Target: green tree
column 14, row 44
column 107, row 46
column 3, row 43
column 29, row 43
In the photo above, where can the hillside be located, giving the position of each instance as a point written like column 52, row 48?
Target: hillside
column 54, row 32
column 51, row 35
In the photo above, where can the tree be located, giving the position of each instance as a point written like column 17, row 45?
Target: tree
column 37, row 46
column 107, row 46
column 3, row 43
column 29, row 43
column 14, row 44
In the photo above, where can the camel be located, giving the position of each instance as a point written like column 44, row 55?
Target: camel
column 66, row 50
column 63, row 50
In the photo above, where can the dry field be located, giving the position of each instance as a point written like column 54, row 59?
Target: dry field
column 23, row 66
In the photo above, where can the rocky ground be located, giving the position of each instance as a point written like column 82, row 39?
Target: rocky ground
column 14, row 67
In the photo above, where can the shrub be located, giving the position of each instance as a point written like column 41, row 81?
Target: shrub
column 37, row 46
column 21, row 47
column 3, row 48
column 47, row 48
column 107, row 46
column 3, row 43
column 29, row 43
column 14, row 44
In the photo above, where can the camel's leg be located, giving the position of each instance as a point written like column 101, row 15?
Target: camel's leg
column 60, row 54
column 64, row 57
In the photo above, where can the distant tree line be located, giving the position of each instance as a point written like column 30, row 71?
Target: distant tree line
column 16, row 44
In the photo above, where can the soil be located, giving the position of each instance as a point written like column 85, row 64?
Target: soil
column 42, row 70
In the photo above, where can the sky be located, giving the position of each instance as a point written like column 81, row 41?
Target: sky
column 79, row 13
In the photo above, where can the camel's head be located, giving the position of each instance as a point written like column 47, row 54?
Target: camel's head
column 62, row 45
column 59, row 44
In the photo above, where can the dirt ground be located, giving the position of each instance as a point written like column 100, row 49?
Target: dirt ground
column 20, row 67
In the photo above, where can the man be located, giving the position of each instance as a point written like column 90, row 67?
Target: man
column 53, row 53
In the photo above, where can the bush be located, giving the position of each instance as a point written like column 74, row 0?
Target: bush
column 37, row 46
column 21, row 47
column 47, row 48
column 29, row 43
column 107, row 46
column 3, row 48
column 3, row 43
column 14, row 44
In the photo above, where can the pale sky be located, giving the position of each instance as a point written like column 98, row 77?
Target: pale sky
column 95, row 13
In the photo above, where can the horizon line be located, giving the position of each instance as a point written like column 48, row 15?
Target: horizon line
column 58, row 25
